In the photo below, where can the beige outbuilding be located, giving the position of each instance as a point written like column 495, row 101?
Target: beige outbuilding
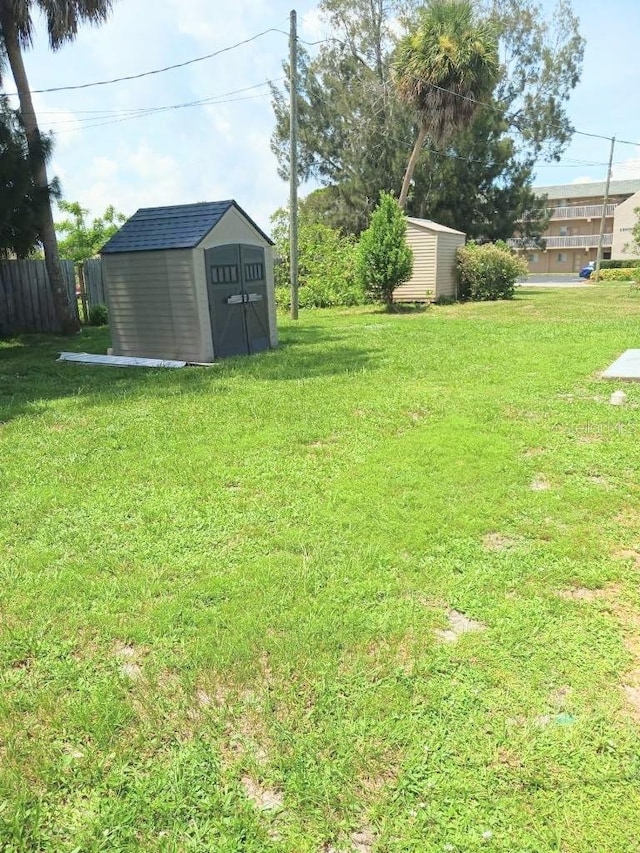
column 434, row 249
column 191, row 282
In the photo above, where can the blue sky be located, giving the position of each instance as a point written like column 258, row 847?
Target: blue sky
column 221, row 149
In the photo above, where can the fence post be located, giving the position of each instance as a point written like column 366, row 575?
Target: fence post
column 83, row 291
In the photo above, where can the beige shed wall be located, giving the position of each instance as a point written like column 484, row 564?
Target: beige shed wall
column 623, row 222
column 154, row 306
column 446, row 279
column 422, row 284
column 234, row 228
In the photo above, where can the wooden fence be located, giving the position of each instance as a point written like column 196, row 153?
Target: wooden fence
column 94, row 283
column 26, row 304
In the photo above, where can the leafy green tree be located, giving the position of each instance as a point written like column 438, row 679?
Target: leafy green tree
column 443, row 70
column 326, row 263
column 384, row 259
column 352, row 125
column 356, row 134
column 542, row 52
column 81, row 240
column 479, row 185
column 16, row 33
column 20, row 200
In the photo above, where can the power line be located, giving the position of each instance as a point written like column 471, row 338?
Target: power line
column 155, row 70
column 140, row 112
column 150, row 112
column 475, row 101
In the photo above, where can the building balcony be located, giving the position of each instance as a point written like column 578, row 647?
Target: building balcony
column 584, row 241
column 581, row 241
column 585, row 211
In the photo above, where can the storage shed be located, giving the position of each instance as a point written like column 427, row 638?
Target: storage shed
column 434, row 262
column 192, row 282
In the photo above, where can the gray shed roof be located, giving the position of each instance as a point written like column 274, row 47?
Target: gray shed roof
column 429, row 225
column 588, row 189
column 181, row 226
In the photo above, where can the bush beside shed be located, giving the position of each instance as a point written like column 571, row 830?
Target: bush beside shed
column 190, row 282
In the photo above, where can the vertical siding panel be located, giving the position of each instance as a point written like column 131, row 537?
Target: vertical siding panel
column 5, row 326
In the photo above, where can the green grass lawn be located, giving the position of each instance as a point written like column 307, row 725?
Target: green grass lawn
column 226, row 594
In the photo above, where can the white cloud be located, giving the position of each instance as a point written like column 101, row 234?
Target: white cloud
column 312, row 25
column 586, row 179
column 627, row 169
column 206, row 152
column 202, row 21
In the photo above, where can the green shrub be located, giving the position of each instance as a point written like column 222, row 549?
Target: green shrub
column 98, row 315
column 488, row 272
column 326, row 265
column 625, row 274
column 617, row 265
column 384, row 260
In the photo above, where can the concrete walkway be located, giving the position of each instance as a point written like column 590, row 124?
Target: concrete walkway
column 554, row 281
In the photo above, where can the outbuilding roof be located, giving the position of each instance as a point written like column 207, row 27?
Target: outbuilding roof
column 588, row 189
column 429, row 225
column 181, row 226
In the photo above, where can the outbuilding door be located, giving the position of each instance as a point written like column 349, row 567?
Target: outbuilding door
column 237, row 288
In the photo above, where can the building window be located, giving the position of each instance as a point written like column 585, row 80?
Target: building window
column 224, row 274
column 562, row 257
column 253, row 272
column 564, row 231
column 533, row 258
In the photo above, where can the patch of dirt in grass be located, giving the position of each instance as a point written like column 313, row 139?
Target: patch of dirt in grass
column 418, row 415
column 507, row 758
column 558, row 697
column 324, row 443
column 582, row 593
column 459, row 624
column 246, row 735
column 397, row 652
column 129, row 657
column 499, row 542
column 597, row 480
column 264, row 799
column 532, row 452
column 362, row 841
column 629, row 517
column 629, row 621
column 589, row 438
column 540, row 483
column 628, row 554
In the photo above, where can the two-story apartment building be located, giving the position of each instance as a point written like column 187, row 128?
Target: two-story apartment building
column 575, row 213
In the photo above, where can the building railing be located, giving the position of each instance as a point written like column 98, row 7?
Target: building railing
column 584, row 211
column 583, row 241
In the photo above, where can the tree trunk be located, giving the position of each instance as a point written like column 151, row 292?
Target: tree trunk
column 411, row 166
column 66, row 316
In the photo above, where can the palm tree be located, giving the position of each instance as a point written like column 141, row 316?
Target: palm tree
column 16, row 33
column 442, row 70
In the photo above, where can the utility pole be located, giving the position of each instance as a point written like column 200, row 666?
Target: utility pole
column 604, row 210
column 293, row 163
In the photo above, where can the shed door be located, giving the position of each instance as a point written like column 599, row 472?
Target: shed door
column 254, row 280
column 237, row 288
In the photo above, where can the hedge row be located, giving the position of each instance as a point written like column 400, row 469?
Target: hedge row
column 618, row 265
column 624, row 274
